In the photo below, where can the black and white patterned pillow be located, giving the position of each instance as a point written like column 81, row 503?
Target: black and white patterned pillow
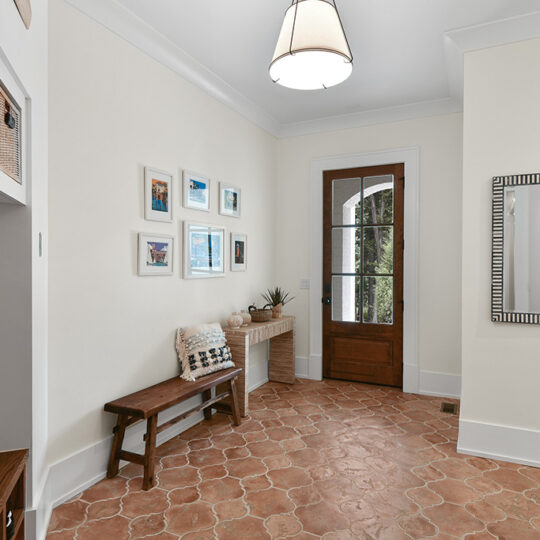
column 202, row 350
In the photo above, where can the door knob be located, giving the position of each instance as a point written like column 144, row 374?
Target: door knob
column 327, row 300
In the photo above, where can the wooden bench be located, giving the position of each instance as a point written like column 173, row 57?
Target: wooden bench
column 148, row 403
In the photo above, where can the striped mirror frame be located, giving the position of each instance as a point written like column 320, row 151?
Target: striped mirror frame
column 497, row 252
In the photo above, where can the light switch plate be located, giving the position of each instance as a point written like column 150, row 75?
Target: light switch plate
column 304, row 283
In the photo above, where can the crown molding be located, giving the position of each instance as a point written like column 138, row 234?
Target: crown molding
column 496, row 33
column 483, row 36
column 368, row 118
column 140, row 34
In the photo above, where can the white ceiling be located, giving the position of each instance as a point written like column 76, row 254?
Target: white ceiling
column 400, row 56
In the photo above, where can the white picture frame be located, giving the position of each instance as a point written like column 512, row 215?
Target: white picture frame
column 158, row 195
column 230, row 200
column 196, row 190
column 238, row 252
column 156, row 254
column 204, row 250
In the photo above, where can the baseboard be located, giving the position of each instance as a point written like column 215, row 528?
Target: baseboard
column 432, row 383
column 72, row 475
column 301, row 367
column 257, row 384
column 315, row 367
column 410, row 378
column 506, row 443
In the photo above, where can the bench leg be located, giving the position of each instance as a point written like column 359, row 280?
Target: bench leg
column 206, row 395
column 234, row 402
column 150, row 452
column 119, row 432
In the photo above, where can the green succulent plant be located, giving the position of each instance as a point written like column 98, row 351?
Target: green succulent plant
column 277, row 296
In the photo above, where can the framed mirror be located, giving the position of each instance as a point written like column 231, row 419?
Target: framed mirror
column 515, row 283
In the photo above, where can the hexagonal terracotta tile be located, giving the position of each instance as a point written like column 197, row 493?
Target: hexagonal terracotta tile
column 453, row 519
column 176, row 478
column 321, row 518
column 329, row 459
column 240, row 468
column 106, row 489
column 144, row 502
column 454, row 491
column 514, row 528
column 248, row 527
column 116, row 527
column 270, row 501
column 68, row 515
column 511, row 480
column 221, row 489
column 189, row 517
column 204, row 458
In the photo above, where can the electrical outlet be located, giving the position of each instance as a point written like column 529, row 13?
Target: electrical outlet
column 305, row 283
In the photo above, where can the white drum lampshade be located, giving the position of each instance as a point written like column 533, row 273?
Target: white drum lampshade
column 312, row 51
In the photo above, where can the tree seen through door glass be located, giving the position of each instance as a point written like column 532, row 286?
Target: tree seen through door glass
column 378, row 250
column 378, row 200
column 378, row 300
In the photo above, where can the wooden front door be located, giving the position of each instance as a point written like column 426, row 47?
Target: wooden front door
column 363, row 274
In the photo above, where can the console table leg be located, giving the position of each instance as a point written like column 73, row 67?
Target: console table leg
column 239, row 346
column 281, row 358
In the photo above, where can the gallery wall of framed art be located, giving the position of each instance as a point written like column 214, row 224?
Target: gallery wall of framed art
column 158, row 190
column 238, row 252
column 229, row 200
column 205, row 251
column 196, row 190
column 156, row 254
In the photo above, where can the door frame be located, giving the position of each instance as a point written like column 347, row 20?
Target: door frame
column 410, row 158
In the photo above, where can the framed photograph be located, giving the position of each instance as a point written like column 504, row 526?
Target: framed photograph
column 196, row 191
column 204, row 251
column 229, row 200
column 238, row 252
column 155, row 255
column 157, row 195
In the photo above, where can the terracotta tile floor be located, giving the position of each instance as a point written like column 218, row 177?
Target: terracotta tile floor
column 318, row 459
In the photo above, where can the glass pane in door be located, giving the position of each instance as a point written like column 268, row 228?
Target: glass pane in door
column 346, row 195
column 378, row 300
column 378, row 201
column 346, row 250
column 378, row 250
column 363, row 250
column 346, row 298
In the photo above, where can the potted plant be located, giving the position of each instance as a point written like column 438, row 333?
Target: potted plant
column 277, row 298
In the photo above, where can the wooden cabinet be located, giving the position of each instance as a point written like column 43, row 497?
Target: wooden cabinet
column 12, row 491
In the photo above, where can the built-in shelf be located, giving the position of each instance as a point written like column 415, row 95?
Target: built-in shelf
column 13, row 179
column 12, row 491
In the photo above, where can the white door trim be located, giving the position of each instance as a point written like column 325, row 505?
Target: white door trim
column 410, row 157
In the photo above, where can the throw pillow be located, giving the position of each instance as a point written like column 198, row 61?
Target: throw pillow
column 202, row 349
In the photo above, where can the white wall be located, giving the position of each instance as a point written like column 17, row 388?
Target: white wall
column 440, row 147
column 501, row 361
column 115, row 110
column 23, row 274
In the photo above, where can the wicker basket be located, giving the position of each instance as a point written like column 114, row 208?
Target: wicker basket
column 261, row 315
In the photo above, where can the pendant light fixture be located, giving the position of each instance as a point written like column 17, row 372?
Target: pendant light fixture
column 312, row 51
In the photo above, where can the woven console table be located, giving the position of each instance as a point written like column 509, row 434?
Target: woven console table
column 280, row 332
